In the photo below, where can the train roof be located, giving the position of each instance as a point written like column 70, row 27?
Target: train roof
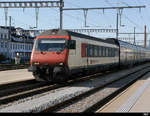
column 70, row 33
column 126, row 44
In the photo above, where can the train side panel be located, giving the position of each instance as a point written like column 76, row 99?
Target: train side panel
column 89, row 54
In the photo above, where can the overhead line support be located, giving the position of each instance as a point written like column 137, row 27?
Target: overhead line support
column 119, row 12
column 28, row 4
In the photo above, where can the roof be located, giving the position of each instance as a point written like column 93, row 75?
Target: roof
column 70, row 33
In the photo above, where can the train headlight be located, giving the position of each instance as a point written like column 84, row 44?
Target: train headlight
column 36, row 63
column 61, row 63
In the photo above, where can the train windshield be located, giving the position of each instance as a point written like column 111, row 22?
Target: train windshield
column 50, row 44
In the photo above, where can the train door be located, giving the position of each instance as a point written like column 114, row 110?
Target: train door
column 84, row 54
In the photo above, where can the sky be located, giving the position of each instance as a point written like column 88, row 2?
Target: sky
column 49, row 17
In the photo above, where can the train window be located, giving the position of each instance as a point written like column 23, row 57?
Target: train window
column 112, row 52
column 95, row 51
column 109, row 55
column 116, row 52
column 100, row 51
column 109, row 51
column 97, row 47
column 86, row 51
column 104, row 51
column 49, row 45
column 90, row 50
column 72, row 44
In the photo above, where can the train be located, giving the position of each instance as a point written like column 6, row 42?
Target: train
column 59, row 54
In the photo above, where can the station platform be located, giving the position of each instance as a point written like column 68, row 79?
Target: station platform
column 11, row 76
column 133, row 99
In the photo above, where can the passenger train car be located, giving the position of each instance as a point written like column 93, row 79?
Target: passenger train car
column 58, row 54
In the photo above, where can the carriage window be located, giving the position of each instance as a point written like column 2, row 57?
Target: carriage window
column 90, row 50
column 109, row 55
column 112, row 52
column 97, row 47
column 104, row 51
column 72, row 44
column 95, row 51
column 116, row 52
column 100, row 51
column 109, row 52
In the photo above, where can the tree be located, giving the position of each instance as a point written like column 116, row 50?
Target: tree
column 2, row 57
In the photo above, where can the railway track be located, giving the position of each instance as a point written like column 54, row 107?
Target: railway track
column 20, row 90
column 63, row 106
column 91, row 100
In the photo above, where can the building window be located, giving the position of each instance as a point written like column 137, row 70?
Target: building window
column 1, row 36
column 5, row 36
column 5, row 45
column 2, row 45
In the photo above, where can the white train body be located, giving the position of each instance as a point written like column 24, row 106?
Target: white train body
column 60, row 53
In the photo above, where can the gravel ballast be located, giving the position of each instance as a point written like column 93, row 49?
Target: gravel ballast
column 52, row 98
column 93, row 99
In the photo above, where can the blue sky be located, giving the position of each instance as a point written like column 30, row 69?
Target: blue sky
column 49, row 17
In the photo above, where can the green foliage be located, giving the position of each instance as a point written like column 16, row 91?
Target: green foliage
column 2, row 57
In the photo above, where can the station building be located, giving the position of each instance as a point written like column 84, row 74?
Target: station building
column 4, row 42
column 15, row 41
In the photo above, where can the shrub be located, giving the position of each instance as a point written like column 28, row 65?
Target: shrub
column 2, row 57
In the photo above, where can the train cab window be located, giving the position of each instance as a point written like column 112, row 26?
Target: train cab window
column 46, row 44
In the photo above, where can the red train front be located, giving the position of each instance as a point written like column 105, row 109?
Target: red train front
column 49, row 56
